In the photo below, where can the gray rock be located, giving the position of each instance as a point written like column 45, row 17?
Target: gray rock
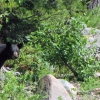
column 93, row 35
column 89, row 31
column 50, row 88
column 93, row 41
column 5, row 69
column 69, row 87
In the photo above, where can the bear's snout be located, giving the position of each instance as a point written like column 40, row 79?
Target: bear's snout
column 15, row 55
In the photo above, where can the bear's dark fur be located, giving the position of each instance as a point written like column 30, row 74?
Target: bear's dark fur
column 9, row 51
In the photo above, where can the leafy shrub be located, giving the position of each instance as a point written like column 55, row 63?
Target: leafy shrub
column 64, row 45
column 14, row 88
column 32, row 67
column 31, row 61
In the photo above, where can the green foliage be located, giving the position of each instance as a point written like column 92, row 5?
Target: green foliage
column 59, row 98
column 14, row 89
column 25, row 16
column 31, row 61
column 93, row 83
column 51, row 30
column 91, row 18
column 62, row 44
column 32, row 67
column 28, row 4
column 75, row 7
column 18, row 21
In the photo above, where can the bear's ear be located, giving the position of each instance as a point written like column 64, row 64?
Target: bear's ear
column 20, row 45
column 8, row 44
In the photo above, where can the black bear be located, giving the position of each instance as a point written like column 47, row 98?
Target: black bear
column 9, row 51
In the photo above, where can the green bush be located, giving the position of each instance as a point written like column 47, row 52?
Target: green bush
column 64, row 45
column 13, row 88
column 30, row 60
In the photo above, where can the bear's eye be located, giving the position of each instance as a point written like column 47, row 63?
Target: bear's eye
column 17, row 50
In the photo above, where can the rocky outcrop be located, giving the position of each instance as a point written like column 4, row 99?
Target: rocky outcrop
column 72, row 90
column 50, row 88
column 92, row 35
column 93, row 41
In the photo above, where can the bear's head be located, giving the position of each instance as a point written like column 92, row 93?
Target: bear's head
column 12, row 50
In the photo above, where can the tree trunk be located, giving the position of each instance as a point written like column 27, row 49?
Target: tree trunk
column 93, row 3
column 74, row 72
